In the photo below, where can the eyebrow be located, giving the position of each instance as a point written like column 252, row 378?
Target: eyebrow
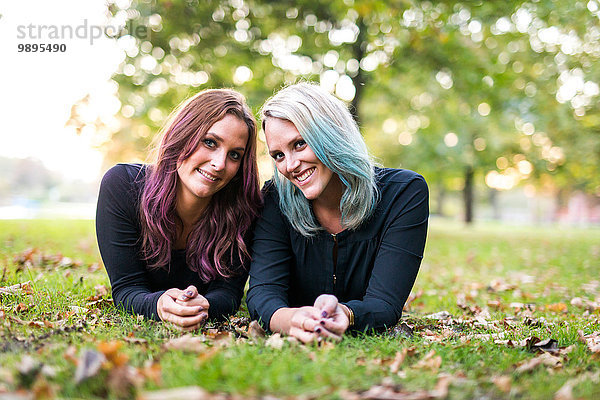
column 220, row 140
column 299, row 137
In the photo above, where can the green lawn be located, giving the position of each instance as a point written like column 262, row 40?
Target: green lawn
column 506, row 290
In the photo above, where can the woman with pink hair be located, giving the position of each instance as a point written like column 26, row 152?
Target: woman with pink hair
column 174, row 234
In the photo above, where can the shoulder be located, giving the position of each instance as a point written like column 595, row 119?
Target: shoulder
column 123, row 181
column 269, row 192
column 125, row 173
column 398, row 179
column 399, row 188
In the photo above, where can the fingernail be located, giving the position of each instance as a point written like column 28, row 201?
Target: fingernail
column 200, row 309
column 324, row 314
column 183, row 297
column 318, row 330
column 189, row 293
column 322, row 322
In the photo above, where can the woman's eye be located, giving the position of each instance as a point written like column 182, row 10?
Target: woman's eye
column 299, row 144
column 277, row 156
column 235, row 155
column 209, row 142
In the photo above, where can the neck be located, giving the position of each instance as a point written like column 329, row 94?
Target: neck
column 331, row 196
column 327, row 206
column 189, row 207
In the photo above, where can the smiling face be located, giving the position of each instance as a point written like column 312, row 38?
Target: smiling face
column 214, row 163
column 295, row 160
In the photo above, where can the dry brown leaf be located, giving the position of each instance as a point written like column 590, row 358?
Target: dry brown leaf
column 182, row 393
column 398, row 360
column 88, row 365
column 275, row 341
column 112, row 353
column 565, row 392
column 592, row 341
column 557, row 307
column 188, row 342
column 503, row 383
column 152, row 371
column 430, row 361
column 123, row 380
column 19, row 288
column 544, row 359
column 255, row 330
column 441, row 387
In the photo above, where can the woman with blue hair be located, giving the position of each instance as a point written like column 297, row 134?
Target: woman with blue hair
column 340, row 241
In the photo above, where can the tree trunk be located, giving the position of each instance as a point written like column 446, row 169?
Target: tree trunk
column 468, row 193
column 494, row 202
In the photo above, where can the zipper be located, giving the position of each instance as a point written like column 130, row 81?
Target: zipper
column 334, row 255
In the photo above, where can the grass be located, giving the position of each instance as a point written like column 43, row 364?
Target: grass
column 516, row 282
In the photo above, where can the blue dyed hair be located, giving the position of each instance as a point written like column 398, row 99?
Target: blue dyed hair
column 328, row 128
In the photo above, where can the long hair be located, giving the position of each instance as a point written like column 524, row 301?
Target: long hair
column 222, row 225
column 328, row 128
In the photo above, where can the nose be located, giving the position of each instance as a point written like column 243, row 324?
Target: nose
column 292, row 164
column 218, row 161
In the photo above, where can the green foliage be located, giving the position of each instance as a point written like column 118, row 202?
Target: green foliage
column 489, row 73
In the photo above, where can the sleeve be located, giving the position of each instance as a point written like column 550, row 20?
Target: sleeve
column 272, row 259
column 397, row 260
column 225, row 295
column 118, row 233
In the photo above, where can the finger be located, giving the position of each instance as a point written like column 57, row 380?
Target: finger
column 302, row 335
column 197, row 301
column 326, row 333
column 189, row 293
column 336, row 326
column 182, row 310
column 186, row 322
column 327, row 304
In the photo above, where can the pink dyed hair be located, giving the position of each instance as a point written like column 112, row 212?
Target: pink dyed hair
column 221, row 228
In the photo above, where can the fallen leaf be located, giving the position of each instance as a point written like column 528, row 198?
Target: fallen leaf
column 439, row 315
column 398, row 360
column 275, row 341
column 255, row 330
column 543, row 359
column 112, row 353
column 565, row 392
column 557, row 307
column 592, row 341
column 19, row 288
column 189, row 342
column 88, row 365
column 503, row 383
column 187, row 393
column 430, row 361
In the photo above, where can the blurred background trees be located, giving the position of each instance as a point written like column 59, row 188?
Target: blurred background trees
column 473, row 95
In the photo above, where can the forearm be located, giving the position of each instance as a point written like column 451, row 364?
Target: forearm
column 281, row 320
column 139, row 302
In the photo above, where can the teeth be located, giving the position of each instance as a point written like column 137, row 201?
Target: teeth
column 205, row 174
column 305, row 175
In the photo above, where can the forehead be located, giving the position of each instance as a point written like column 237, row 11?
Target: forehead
column 279, row 132
column 231, row 130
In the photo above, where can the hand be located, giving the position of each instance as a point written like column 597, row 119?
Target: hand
column 304, row 324
column 332, row 318
column 186, row 309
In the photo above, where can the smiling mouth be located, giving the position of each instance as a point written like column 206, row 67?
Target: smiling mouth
column 207, row 175
column 305, row 175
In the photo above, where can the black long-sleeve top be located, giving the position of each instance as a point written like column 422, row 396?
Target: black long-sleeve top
column 135, row 286
column 377, row 263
